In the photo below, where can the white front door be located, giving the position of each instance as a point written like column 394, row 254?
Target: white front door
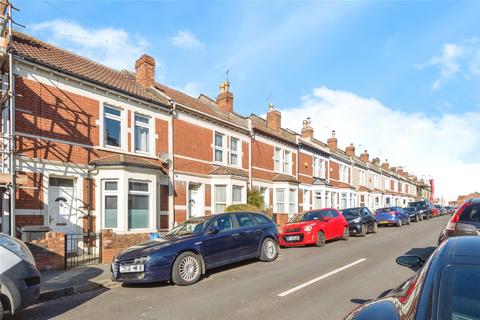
column 194, row 205
column 61, row 205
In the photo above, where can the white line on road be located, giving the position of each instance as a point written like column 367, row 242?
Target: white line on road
column 326, row 275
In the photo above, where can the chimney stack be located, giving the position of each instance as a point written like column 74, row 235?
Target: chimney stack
column 274, row 118
column 145, row 71
column 332, row 142
column 386, row 165
column 225, row 98
column 307, row 130
column 376, row 161
column 364, row 156
column 350, row 150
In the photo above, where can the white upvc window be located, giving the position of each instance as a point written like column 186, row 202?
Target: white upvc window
column 280, row 201
column 142, row 133
column 110, row 204
column 234, row 151
column 237, row 194
column 112, row 127
column 138, row 204
column 287, row 167
column 278, row 159
column 292, row 207
column 363, row 178
column 318, row 167
column 344, row 177
column 219, row 147
column 220, row 198
column 387, row 184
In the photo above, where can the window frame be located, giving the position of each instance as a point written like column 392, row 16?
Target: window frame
column 277, row 203
column 237, row 187
column 287, row 162
column 218, row 148
column 215, row 200
column 148, row 126
column 292, row 203
column 106, row 193
column 120, row 119
column 142, row 193
column 278, row 163
column 235, row 152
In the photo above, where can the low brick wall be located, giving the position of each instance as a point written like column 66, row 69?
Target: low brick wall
column 113, row 244
column 49, row 252
column 280, row 218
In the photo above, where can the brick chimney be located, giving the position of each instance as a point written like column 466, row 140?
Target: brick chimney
column 394, row 169
column 225, row 97
column 364, row 156
column 350, row 150
column 307, row 129
column 274, row 118
column 145, row 70
column 386, row 165
column 376, row 161
column 332, row 142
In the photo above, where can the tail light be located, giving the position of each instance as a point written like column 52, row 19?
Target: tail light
column 452, row 224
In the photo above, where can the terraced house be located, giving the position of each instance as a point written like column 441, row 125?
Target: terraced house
column 109, row 149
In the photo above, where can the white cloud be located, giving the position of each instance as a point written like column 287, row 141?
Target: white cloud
column 445, row 147
column 110, row 46
column 456, row 58
column 192, row 89
column 186, row 39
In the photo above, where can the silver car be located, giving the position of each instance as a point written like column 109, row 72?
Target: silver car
column 19, row 277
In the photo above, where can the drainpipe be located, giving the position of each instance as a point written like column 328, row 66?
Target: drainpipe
column 89, row 201
column 171, row 169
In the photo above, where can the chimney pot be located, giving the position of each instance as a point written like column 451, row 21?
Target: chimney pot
column 307, row 130
column 145, row 70
column 225, row 97
column 364, row 156
column 332, row 142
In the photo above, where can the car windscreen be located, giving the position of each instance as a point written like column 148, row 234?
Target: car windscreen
column 471, row 215
column 459, row 294
column 418, row 205
column 409, row 209
column 191, row 226
column 310, row 216
column 354, row 212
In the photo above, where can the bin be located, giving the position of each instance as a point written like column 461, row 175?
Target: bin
column 30, row 233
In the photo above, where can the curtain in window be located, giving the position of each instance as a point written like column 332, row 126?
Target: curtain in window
column 142, row 139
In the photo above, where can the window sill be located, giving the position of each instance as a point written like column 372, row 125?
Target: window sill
column 117, row 150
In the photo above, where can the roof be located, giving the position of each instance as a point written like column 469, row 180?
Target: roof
column 229, row 171
column 364, row 189
column 260, row 124
column 343, row 185
column 320, row 182
column 203, row 104
column 284, row 178
column 45, row 54
column 127, row 160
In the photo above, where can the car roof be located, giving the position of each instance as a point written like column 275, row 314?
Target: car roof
column 464, row 246
column 474, row 200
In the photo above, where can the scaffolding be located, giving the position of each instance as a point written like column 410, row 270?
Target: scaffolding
column 8, row 181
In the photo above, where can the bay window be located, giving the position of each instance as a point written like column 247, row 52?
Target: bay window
column 280, row 200
column 142, row 133
column 237, row 194
column 292, row 208
column 112, row 123
column 220, row 198
column 138, row 205
column 110, row 199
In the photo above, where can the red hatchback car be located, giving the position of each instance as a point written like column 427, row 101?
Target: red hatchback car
column 314, row 227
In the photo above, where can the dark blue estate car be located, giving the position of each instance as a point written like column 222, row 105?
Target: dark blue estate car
column 198, row 244
column 446, row 287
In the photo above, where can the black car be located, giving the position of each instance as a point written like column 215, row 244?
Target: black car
column 465, row 222
column 424, row 207
column 447, row 286
column 196, row 245
column 413, row 213
column 360, row 221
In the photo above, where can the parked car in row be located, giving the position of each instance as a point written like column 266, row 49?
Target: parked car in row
column 442, row 211
column 465, row 222
column 413, row 213
column 314, row 227
column 19, row 277
column 446, row 287
column 391, row 216
column 185, row 253
column 424, row 207
column 360, row 221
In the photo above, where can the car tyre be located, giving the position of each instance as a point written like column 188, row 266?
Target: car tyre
column 346, row 234
column 375, row 227
column 408, row 220
column 417, row 218
column 1, row 309
column 187, row 269
column 269, row 251
column 320, row 239
column 363, row 233
column 399, row 223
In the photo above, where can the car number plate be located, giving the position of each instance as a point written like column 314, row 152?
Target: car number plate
column 384, row 222
column 292, row 238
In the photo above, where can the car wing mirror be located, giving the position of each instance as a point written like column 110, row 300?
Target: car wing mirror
column 410, row 261
column 213, row 230
column 326, row 219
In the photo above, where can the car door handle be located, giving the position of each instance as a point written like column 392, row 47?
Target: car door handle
column 235, row 234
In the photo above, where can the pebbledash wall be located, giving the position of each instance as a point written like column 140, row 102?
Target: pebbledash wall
column 195, row 155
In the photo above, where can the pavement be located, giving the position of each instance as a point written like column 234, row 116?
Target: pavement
column 319, row 283
column 61, row 283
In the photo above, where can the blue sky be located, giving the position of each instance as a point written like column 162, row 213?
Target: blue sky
column 420, row 59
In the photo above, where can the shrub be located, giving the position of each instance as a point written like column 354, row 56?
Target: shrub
column 255, row 198
column 241, row 207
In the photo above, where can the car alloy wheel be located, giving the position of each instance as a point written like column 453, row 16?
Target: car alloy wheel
column 320, row 239
column 189, row 268
column 269, row 250
column 346, row 233
column 399, row 223
column 363, row 232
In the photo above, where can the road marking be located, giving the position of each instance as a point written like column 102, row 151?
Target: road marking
column 326, row 275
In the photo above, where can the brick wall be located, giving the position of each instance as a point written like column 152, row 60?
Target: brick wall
column 262, row 155
column 180, row 216
column 193, row 141
column 246, row 152
column 305, row 164
column 208, row 195
column 335, row 172
column 180, row 192
column 31, row 198
column 49, row 253
column 113, row 244
column 163, row 197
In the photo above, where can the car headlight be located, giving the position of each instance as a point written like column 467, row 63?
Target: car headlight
column 17, row 247
column 141, row 260
column 357, row 220
column 308, row 228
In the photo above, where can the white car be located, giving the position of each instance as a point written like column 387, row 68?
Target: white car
column 19, row 277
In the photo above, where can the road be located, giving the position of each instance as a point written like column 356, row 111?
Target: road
column 322, row 283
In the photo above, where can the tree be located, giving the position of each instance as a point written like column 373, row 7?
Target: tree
column 255, row 198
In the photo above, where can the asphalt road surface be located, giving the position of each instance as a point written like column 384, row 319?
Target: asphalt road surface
column 317, row 283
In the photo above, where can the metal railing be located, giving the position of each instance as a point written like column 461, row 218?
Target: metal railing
column 82, row 249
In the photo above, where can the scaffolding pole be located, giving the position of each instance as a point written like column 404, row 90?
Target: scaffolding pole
column 12, row 144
